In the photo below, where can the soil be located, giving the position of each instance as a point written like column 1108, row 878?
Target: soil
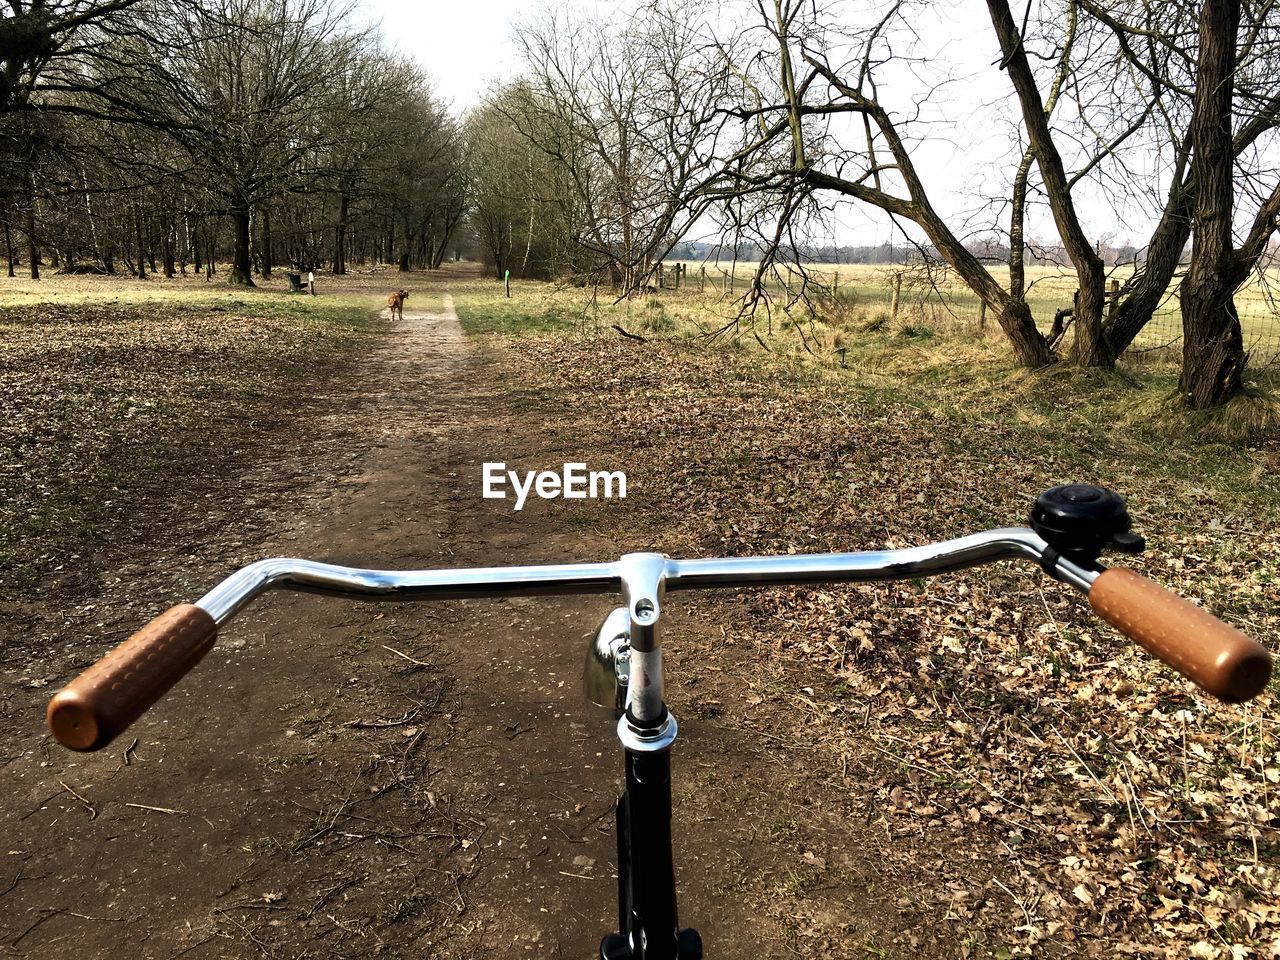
column 349, row 780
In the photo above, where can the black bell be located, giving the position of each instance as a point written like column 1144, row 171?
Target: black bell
column 1082, row 520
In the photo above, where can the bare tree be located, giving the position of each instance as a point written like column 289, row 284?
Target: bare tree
column 791, row 93
column 361, row 107
column 626, row 110
column 242, row 82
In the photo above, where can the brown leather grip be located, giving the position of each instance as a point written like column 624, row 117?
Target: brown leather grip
column 97, row 706
column 1219, row 659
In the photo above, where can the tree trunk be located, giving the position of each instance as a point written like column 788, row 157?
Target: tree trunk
column 340, row 236
column 266, row 244
column 241, row 265
column 406, row 250
column 168, row 253
column 1091, row 347
column 8, row 245
column 1213, row 356
column 443, row 249
column 1029, row 345
column 1148, row 287
column 141, row 243
column 33, row 245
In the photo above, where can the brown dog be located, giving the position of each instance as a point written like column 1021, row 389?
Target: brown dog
column 396, row 302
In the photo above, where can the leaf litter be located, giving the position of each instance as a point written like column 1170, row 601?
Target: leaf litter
column 1118, row 812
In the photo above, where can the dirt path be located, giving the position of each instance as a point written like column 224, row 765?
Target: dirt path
column 353, row 780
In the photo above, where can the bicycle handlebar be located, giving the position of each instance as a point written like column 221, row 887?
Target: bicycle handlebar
column 99, row 704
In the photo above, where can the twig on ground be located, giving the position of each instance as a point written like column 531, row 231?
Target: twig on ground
column 405, row 656
column 629, row 335
column 143, row 806
column 383, row 724
column 93, row 811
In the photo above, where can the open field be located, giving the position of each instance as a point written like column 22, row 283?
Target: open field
column 937, row 346
column 107, row 384
column 867, row 291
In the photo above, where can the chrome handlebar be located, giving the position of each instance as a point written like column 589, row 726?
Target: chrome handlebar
column 105, row 699
column 625, row 575
column 643, row 580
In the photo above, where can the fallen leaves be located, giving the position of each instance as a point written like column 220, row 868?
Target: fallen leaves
column 1118, row 812
column 95, row 396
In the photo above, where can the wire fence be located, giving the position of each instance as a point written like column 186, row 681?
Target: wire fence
column 1259, row 324
column 889, row 297
column 1259, row 317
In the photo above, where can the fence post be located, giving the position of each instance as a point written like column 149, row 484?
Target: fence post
column 1114, row 305
column 507, row 280
column 897, row 294
column 835, row 285
column 982, row 316
column 702, row 278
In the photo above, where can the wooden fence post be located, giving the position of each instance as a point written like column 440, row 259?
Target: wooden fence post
column 982, row 316
column 1114, row 305
column 702, row 278
column 897, row 294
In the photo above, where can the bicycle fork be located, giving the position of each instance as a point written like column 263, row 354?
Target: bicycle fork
column 627, row 651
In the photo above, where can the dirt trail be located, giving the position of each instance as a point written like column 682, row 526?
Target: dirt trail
column 353, row 780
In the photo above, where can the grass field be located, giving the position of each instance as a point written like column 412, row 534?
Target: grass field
column 868, row 292
column 936, row 347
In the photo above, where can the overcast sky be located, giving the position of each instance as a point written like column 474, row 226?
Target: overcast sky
column 466, row 46
column 461, row 45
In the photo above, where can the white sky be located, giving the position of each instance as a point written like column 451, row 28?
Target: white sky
column 461, row 45
column 466, row 46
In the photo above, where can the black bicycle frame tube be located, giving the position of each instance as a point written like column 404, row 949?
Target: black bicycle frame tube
column 651, row 920
column 647, row 915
